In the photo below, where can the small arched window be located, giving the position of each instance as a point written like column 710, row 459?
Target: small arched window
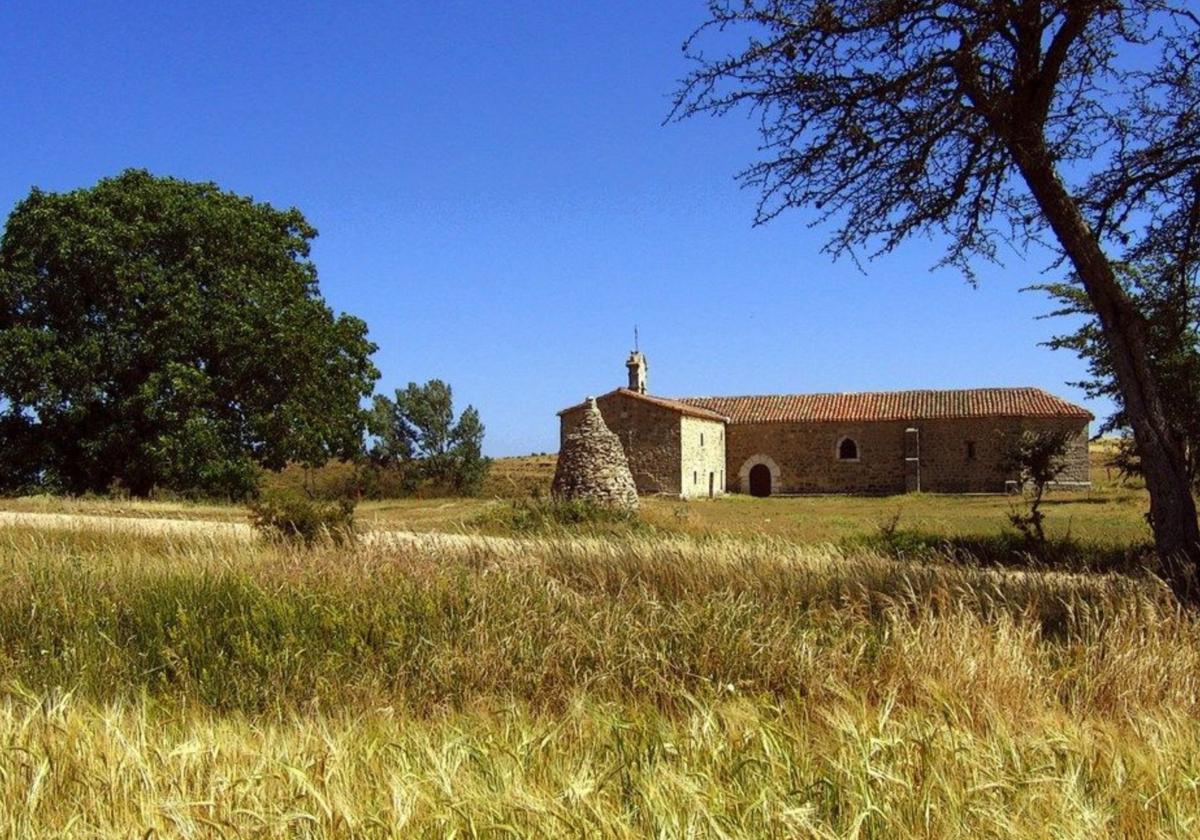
column 847, row 450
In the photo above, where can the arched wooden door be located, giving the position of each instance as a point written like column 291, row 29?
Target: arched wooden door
column 760, row 480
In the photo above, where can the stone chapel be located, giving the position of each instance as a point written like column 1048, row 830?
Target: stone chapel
column 938, row 441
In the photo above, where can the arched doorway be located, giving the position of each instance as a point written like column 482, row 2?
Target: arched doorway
column 762, row 484
column 760, row 480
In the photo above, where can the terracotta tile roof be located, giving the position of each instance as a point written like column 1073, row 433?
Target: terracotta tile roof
column 688, row 408
column 891, row 405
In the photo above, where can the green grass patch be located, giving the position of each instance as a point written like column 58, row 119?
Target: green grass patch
column 544, row 516
column 1010, row 549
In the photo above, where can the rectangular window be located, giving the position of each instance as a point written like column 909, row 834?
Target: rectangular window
column 970, row 450
column 695, row 477
column 702, row 438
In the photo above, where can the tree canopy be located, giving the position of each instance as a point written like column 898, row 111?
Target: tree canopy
column 1167, row 295
column 902, row 117
column 417, row 431
column 160, row 333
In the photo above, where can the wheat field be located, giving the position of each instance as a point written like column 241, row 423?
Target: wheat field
column 180, row 685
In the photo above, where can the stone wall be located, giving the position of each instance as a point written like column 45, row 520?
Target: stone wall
column 702, row 447
column 591, row 465
column 803, row 456
column 945, row 467
column 649, row 434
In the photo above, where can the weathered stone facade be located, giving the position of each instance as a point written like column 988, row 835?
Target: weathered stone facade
column 592, row 465
column 882, row 443
column 702, row 461
column 669, row 452
column 954, row 456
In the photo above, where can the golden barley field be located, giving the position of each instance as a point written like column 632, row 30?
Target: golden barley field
column 200, row 686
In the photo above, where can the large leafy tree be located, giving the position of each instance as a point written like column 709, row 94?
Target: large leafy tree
column 1072, row 122
column 158, row 333
column 417, row 431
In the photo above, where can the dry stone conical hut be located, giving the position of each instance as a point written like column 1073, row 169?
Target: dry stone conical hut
column 592, row 465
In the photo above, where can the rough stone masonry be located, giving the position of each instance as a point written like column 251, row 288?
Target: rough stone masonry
column 930, row 440
column 592, row 465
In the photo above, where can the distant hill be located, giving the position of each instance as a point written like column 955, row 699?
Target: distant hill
column 509, row 478
column 520, row 477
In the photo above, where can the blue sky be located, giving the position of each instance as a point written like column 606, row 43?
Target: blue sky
column 497, row 197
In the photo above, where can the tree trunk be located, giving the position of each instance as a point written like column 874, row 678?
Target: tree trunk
column 1172, row 508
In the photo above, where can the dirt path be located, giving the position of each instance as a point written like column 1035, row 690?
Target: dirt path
column 127, row 524
column 238, row 531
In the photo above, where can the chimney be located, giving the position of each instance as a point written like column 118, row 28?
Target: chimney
column 637, row 371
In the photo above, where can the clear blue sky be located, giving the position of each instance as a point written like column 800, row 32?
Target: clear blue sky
column 497, row 197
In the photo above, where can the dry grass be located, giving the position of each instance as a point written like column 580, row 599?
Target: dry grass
column 131, row 508
column 723, row 688
column 1111, row 514
column 520, row 477
column 724, row 768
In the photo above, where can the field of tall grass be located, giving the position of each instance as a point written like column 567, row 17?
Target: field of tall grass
column 182, row 685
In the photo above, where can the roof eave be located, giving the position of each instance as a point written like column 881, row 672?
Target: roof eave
column 1089, row 417
column 659, row 402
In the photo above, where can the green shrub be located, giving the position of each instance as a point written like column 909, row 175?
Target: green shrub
column 1005, row 548
column 537, row 515
column 296, row 519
